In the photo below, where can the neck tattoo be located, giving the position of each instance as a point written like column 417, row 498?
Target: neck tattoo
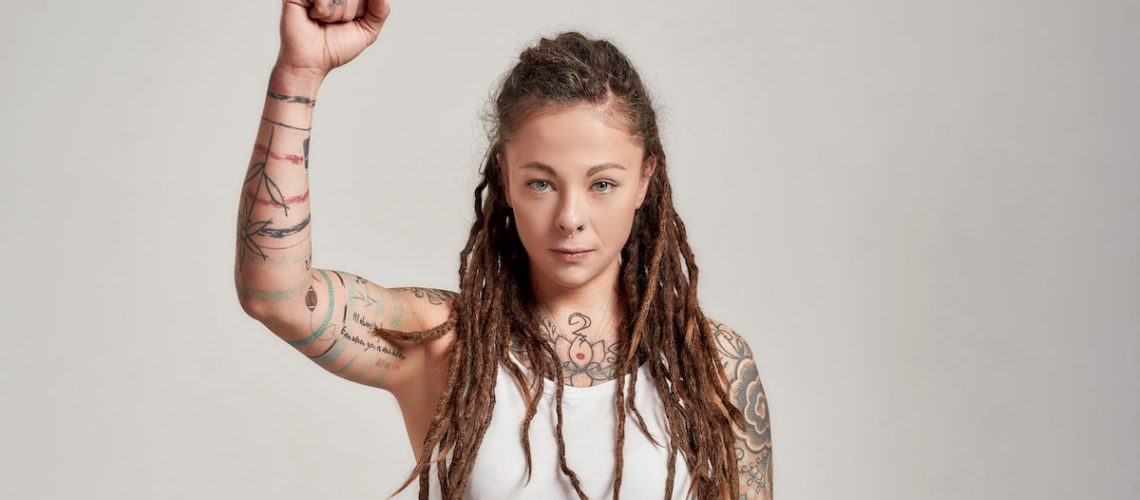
column 584, row 362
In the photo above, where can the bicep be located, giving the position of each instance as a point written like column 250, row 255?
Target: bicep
column 754, row 441
column 332, row 323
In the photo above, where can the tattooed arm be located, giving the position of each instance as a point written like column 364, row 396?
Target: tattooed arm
column 273, row 258
column 331, row 324
column 754, row 442
column 273, row 263
column 326, row 315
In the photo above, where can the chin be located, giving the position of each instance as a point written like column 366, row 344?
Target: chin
column 570, row 278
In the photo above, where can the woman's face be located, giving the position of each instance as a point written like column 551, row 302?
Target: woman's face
column 573, row 170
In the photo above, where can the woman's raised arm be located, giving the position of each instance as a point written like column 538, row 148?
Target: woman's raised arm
column 273, row 260
column 326, row 315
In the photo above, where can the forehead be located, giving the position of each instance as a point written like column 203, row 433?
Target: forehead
column 581, row 135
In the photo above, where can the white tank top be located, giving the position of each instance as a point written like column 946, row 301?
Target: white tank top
column 589, row 432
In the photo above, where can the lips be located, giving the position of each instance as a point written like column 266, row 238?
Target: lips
column 571, row 255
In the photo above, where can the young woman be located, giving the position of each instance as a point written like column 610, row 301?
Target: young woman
column 577, row 269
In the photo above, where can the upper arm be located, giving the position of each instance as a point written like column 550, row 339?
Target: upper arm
column 754, row 441
column 330, row 322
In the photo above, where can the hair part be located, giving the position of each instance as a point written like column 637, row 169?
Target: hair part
column 666, row 328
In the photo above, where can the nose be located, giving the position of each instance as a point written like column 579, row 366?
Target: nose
column 571, row 216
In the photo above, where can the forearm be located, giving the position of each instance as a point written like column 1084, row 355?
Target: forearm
column 273, row 257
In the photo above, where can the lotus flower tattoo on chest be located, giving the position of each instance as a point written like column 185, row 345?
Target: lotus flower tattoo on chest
column 584, row 363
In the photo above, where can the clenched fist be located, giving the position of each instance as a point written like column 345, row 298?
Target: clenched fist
column 319, row 35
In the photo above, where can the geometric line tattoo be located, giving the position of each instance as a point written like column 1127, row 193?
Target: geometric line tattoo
column 285, row 125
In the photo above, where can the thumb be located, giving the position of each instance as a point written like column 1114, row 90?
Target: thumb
column 375, row 13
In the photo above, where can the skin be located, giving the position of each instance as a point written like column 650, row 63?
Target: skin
column 570, row 194
column 576, row 170
column 753, row 444
column 327, row 314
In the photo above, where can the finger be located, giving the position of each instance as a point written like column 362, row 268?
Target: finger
column 337, row 10
column 326, row 11
column 352, row 10
column 375, row 13
column 318, row 10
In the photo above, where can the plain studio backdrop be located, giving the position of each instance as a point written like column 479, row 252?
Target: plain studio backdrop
column 921, row 215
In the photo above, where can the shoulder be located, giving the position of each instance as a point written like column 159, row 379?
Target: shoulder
column 429, row 307
column 754, row 439
column 743, row 385
column 739, row 365
column 731, row 345
column 422, row 309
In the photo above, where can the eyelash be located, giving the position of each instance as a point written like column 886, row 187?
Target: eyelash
column 611, row 185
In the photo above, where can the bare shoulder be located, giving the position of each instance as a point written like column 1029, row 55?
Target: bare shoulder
column 431, row 306
column 732, row 346
column 754, row 441
column 427, row 308
column 737, row 358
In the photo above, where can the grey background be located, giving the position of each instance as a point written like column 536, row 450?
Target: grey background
column 920, row 214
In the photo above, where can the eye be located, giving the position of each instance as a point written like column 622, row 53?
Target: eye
column 604, row 186
column 539, row 185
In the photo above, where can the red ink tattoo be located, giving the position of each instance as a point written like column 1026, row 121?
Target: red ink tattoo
column 291, row 158
column 288, row 201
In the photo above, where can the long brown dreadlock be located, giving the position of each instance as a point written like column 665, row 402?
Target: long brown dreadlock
column 669, row 331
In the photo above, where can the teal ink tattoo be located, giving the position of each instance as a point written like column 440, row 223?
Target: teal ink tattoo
column 247, row 292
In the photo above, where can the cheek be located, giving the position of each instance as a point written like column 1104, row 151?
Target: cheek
column 529, row 223
column 615, row 228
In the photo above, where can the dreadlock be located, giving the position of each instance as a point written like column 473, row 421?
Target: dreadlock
column 658, row 280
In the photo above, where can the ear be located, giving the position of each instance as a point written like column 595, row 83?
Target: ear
column 504, row 176
column 646, row 175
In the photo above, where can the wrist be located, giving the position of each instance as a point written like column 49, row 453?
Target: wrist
column 295, row 81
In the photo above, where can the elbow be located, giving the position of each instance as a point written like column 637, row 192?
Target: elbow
column 253, row 308
column 250, row 309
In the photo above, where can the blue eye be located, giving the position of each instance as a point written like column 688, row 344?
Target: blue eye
column 607, row 183
column 536, row 182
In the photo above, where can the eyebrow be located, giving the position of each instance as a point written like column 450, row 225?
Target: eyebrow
column 593, row 170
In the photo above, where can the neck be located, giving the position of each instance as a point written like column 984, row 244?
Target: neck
column 581, row 325
column 592, row 309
